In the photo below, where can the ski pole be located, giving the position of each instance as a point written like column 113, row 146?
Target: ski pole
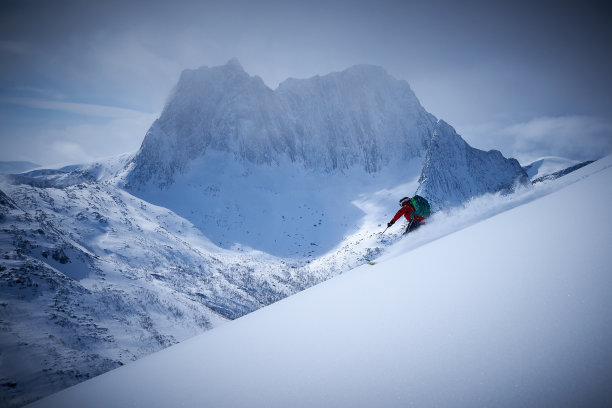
column 384, row 231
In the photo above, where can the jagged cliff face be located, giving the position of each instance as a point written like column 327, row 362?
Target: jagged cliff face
column 454, row 171
column 361, row 117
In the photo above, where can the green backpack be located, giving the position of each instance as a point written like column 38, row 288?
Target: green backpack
column 421, row 206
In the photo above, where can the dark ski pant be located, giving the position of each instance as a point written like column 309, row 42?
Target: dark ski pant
column 412, row 225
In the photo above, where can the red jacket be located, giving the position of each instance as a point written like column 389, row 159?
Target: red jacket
column 406, row 210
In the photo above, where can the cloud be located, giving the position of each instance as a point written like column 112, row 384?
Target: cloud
column 75, row 138
column 71, row 107
column 46, row 93
column 69, row 152
column 573, row 137
column 576, row 137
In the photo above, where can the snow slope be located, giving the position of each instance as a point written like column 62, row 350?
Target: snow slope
column 512, row 311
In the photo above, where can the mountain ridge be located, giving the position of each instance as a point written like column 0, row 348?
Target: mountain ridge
column 326, row 122
column 475, row 173
column 360, row 118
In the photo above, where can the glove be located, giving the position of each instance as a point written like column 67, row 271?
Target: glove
column 390, row 223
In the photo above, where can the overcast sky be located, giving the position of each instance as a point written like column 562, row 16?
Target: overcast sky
column 81, row 80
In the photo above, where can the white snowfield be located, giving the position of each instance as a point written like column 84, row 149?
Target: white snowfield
column 513, row 311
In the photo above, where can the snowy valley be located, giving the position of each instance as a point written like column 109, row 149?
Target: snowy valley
column 240, row 196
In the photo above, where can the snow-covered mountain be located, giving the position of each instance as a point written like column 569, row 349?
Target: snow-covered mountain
column 239, row 196
column 454, row 172
column 551, row 168
column 561, row 173
column 507, row 312
column 277, row 170
column 92, row 277
column 66, row 176
column 360, row 117
column 547, row 165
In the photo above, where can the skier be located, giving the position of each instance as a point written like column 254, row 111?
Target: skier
column 408, row 211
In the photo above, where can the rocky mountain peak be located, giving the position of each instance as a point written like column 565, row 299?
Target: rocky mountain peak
column 358, row 117
column 454, row 172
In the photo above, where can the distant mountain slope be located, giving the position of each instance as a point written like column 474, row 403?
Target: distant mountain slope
column 547, row 165
column 71, row 175
column 561, row 173
column 520, row 321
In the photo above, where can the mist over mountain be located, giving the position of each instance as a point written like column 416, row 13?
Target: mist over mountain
column 361, row 117
column 7, row 167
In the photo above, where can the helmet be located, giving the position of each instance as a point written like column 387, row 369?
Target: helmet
column 404, row 201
